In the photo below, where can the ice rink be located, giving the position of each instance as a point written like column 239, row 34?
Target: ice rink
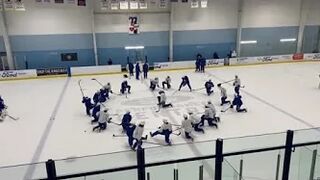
column 53, row 123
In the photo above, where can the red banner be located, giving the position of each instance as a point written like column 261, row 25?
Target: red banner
column 297, row 56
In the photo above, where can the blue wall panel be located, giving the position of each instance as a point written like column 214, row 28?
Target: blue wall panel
column 47, row 59
column 43, row 51
column 187, row 44
column 268, row 41
column 2, row 48
column 311, row 38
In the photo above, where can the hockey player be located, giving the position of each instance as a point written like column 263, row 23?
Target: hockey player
column 138, row 71
column 223, row 95
column 154, row 83
column 129, row 131
column 103, row 95
column 130, row 68
column 211, row 106
column 95, row 112
column 185, row 81
column 103, row 119
column 196, row 122
column 187, row 127
column 126, row 119
column 107, row 89
column 198, row 63
column 87, row 102
column 238, row 103
column 165, row 129
column 137, row 136
column 96, row 97
column 202, row 64
column 209, row 85
column 125, row 87
column 209, row 115
column 145, row 69
column 162, row 100
column 237, row 84
column 167, row 82
column 2, row 105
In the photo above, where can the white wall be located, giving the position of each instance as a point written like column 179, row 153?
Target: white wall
column 313, row 17
column 49, row 19
column 271, row 13
column 220, row 14
column 108, row 23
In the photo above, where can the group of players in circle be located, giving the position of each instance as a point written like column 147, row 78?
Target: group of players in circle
column 191, row 122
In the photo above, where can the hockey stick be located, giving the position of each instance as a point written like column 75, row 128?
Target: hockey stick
column 119, row 135
column 94, row 79
column 176, row 134
column 79, row 83
column 114, row 123
column 227, row 81
column 199, row 89
column 226, row 109
column 174, row 92
column 13, row 118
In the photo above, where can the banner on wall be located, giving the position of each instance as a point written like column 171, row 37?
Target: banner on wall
column 143, row 4
column 114, row 5
column 8, row 5
column 204, row 3
column 51, row 71
column 134, row 4
column 17, row 74
column 163, row 4
column 71, row 1
column 194, row 4
column 104, row 4
column 133, row 25
column 59, row 1
column 19, row 5
column 124, row 4
column 82, row 3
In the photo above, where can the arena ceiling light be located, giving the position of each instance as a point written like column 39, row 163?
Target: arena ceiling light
column 288, row 40
column 133, row 47
column 249, row 42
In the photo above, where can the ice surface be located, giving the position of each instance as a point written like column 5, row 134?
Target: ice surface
column 278, row 97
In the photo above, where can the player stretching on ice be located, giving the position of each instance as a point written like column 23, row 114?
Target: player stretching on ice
column 209, row 85
column 108, row 90
column 223, row 95
column 95, row 112
column 237, row 85
column 162, row 100
column 213, row 109
column 124, row 87
column 137, row 136
column 209, row 115
column 167, row 82
column 238, row 103
column 185, row 81
column 87, row 102
column 196, row 122
column 154, row 83
column 103, row 119
column 165, row 129
column 3, row 111
column 187, row 127
column 125, row 122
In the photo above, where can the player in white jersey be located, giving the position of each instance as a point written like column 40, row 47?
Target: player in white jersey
column 237, row 84
column 187, row 127
column 137, row 135
column 223, row 95
column 165, row 129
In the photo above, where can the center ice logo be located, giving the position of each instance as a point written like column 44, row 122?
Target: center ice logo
column 151, row 101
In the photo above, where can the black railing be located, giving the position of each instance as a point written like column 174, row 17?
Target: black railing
column 219, row 156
